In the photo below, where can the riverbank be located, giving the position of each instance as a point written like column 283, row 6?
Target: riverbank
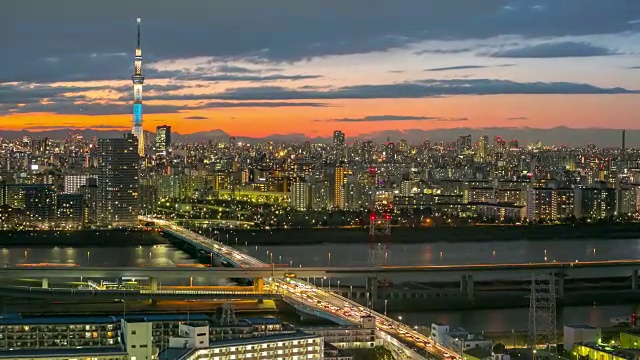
column 484, row 233
column 97, row 238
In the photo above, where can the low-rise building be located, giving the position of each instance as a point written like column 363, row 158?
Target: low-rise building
column 293, row 346
column 581, row 334
column 345, row 337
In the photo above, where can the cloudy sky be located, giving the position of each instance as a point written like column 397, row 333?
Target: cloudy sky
column 259, row 67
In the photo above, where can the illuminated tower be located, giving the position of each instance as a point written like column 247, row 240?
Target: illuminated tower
column 138, row 80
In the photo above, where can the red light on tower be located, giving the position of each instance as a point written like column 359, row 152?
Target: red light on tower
column 372, row 217
column 387, row 217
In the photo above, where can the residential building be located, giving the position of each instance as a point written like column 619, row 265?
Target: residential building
column 118, row 181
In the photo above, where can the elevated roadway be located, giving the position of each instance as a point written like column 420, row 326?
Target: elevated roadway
column 317, row 299
column 591, row 269
column 111, row 295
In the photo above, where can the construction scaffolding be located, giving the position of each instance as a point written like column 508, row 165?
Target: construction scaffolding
column 543, row 337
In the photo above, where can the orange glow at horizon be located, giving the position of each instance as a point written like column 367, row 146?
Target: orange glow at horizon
column 540, row 111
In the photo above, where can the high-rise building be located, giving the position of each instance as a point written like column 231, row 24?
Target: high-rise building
column 138, row 79
column 550, row 204
column 463, row 145
column 118, row 181
column 40, row 203
column 338, row 145
column 595, row 202
column 483, row 148
column 301, row 196
column 390, row 152
column 72, row 183
column 338, row 138
column 338, row 188
column 163, row 140
column 70, row 208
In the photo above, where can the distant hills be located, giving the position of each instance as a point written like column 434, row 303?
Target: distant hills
column 557, row 136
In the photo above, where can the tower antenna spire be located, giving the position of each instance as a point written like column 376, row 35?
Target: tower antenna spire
column 138, row 22
column 138, row 80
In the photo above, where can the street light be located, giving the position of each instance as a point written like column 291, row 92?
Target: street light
column 338, row 286
column 385, row 307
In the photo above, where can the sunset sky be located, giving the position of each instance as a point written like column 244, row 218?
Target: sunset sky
column 260, row 67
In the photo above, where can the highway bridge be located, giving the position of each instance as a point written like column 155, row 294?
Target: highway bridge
column 121, row 294
column 590, row 269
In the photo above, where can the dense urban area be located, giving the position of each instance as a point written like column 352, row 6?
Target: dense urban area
column 66, row 183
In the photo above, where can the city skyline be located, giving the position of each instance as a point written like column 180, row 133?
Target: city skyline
column 297, row 69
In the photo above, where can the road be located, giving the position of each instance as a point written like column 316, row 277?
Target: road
column 303, row 292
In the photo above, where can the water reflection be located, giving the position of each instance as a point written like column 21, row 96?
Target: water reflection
column 155, row 255
column 517, row 251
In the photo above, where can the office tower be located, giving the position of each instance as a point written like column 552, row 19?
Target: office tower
column 301, row 196
column 138, row 80
column 338, row 188
column 118, row 181
column 163, row 140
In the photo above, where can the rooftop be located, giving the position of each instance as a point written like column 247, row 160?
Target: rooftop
column 582, row 326
column 18, row 319
column 180, row 354
column 49, row 353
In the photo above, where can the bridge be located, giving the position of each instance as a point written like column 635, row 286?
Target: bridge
column 589, row 269
column 121, row 294
column 312, row 297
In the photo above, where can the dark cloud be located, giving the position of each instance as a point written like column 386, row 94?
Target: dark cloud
column 68, row 105
column 465, row 67
column 226, row 104
column 184, row 75
column 373, row 118
column 460, row 67
column 56, row 40
column 418, row 89
column 14, row 94
column 555, row 50
column 227, row 68
column 73, row 127
column 517, row 118
column 196, row 118
column 444, row 51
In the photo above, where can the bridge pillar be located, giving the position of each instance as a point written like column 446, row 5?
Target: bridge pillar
column 258, row 285
column 153, row 284
column 634, row 280
column 463, row 284
column 466, row 286
column 45, row 283
column 372, row 289
column 560, row 286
